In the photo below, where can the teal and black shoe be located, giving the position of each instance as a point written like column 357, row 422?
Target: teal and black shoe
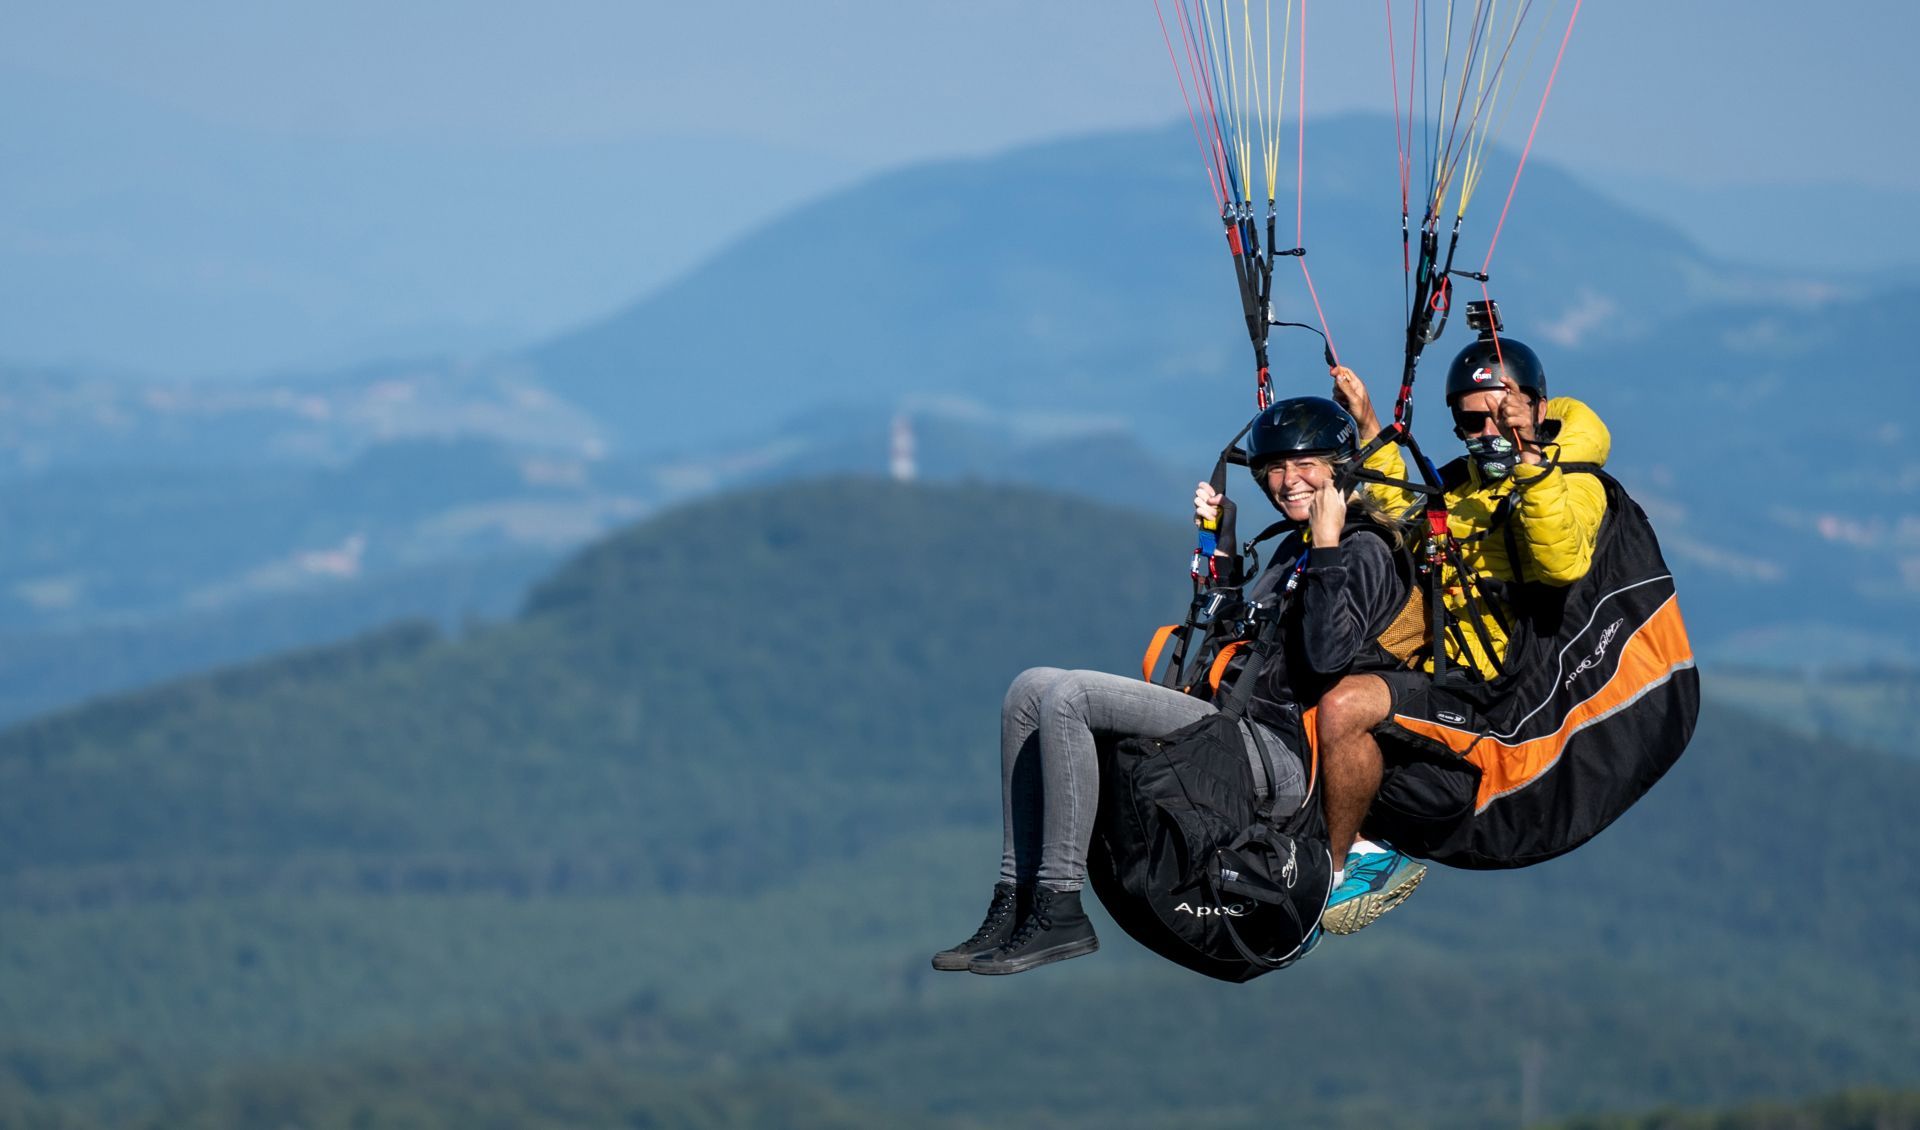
column 1376, row 882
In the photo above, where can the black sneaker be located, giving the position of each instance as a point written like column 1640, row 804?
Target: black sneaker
column 1054, row 929
column 1002, row 916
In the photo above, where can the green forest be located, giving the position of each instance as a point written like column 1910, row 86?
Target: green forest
column 670, row 847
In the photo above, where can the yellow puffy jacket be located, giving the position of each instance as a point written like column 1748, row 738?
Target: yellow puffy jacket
column 1557, row 519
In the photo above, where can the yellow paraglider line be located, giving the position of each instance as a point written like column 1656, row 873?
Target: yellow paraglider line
column 1477, row 103
column 1280, row 95
column 1436, row 183
column 1482, row 103
column 1220, row 47
column 1456, row 139
column 1505, row 111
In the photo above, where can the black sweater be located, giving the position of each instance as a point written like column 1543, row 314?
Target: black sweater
column 1347, row 595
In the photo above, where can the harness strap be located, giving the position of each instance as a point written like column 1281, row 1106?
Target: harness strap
column 1477, row 615
column 1369, row 475
column 1220, row 662
column 1154, row 647
column 1206, row 573
column 1512, row 539
column 1260, row 648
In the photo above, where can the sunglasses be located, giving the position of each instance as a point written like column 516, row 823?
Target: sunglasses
column 1473, row 423
column 1470, row 423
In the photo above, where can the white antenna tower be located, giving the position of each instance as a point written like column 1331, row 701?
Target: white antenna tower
column 901, row 462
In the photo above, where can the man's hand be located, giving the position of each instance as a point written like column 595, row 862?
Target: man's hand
column 1351, row 394
column 1327, row 515
column 1515, row 419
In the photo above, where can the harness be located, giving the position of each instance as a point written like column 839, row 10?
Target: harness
column 1219, row 637
column 1596, row 701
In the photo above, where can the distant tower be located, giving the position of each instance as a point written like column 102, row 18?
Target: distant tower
column 901, row 463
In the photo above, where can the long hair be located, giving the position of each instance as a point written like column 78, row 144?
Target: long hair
column 1394, row 525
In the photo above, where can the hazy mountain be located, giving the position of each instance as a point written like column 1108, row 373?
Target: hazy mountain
column 184, row 248
column 1727, row 219
column 111, row 546
column 1060, row 314
column 51, row 667
column 1791, row 510
column 1088, row 276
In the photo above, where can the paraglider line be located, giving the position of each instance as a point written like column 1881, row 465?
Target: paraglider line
column 1393, row 71
column 1193, row 119
column 1493, row 329
column 1319, row 313
column 1203, row 93
column 1521, row 167
column 1220, row 97
column 1208, row 52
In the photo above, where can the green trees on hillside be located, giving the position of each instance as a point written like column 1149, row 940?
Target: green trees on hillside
column 746, row 753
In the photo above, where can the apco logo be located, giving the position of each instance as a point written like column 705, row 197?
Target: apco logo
column 1483, row 376
column 1599, row 653
column 1232, row 910
column 1450, row 716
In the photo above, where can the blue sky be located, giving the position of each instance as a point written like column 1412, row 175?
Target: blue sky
column 713, row 116
column 1761, row 90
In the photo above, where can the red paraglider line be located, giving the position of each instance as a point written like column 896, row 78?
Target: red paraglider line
column 1455, row 144
column 1203, row 82
column 1493, row 331
column 1393, row 71
column 1300, row 189
column 1319, row 313
column 1193, row 119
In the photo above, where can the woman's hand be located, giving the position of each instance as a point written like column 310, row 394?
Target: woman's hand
column 1350, row 393
column 1327, row 515
column 1206, row 504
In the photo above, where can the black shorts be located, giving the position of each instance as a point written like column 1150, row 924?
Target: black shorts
column 1427, row 795
column 1402, row 686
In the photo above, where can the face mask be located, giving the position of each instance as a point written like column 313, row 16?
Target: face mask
column 1494, row 455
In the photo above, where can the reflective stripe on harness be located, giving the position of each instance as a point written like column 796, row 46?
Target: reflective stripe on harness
column 1648, row 658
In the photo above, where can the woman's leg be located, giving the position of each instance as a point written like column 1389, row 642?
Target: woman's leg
column 1076, row 710
column 1020, row 786
column 1020, row 804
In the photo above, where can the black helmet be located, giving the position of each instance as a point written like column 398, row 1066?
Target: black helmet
column 1482, row 364
column 1304, row 425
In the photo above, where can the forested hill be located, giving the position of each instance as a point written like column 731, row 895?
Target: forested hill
column 745, row 752
column 821, row 661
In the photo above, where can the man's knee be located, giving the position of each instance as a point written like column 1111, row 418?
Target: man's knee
column 1356, row 704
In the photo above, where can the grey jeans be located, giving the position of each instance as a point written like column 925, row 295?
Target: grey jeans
column 1051, row 728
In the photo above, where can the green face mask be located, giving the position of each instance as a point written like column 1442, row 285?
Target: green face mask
column 1494, row 455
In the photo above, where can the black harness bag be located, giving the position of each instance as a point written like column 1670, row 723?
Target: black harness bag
column 1192, row 864
column 1598, row 701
